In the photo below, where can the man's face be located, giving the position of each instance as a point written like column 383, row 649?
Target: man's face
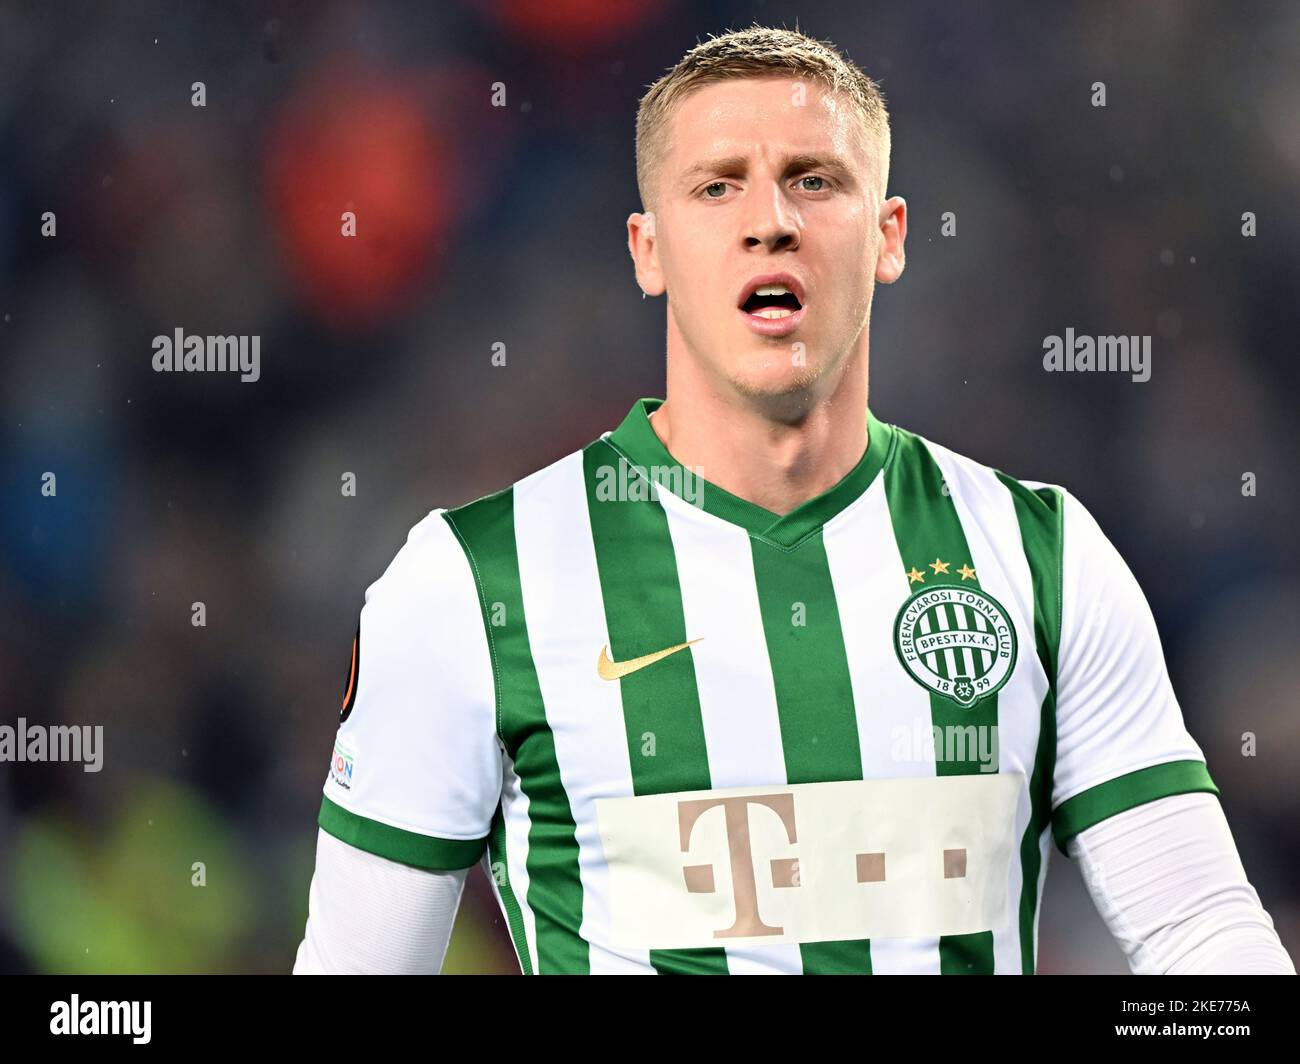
column 768, row 176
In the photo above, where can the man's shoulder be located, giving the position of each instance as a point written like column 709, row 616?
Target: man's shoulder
column 488, row 516
column 976, row 484
column 482, row 529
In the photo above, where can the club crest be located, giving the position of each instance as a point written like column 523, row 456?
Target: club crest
column 956, row 641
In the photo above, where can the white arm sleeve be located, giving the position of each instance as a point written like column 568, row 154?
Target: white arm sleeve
column 1167, row 880
column 368, row 915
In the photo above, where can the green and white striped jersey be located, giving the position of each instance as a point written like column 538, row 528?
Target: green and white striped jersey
column 685, row 734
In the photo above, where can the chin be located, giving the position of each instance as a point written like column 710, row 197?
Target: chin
column 777, row 382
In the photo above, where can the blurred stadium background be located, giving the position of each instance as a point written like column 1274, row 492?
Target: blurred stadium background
column 480, row 225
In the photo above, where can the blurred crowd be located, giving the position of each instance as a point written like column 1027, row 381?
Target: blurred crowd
column 481, row 225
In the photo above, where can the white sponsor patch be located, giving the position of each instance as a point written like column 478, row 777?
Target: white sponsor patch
column 811, row 862
column 344, row 764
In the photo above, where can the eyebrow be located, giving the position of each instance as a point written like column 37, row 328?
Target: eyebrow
column 736, row 164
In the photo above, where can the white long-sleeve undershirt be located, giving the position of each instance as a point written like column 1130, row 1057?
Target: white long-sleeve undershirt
column 1168, row 882
column 367, row 915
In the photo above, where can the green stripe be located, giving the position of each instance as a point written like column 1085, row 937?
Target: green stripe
column 1124, row 792
column 814, row 695
column 486, row 529
column 927, row 530
column 1040, row 516
column 397, row 844
column 643, row 613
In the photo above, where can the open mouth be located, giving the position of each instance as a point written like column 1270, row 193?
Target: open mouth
column 773, row 305
column 772, row 301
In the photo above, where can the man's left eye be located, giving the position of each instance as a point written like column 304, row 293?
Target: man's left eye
column 813, row 177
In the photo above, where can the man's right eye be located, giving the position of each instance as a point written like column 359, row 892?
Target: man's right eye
column 716, row 184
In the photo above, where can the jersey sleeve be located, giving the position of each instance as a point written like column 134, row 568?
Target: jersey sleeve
column 416, row 771
column 1120, row 736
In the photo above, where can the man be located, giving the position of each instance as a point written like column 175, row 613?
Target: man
column 756, row 682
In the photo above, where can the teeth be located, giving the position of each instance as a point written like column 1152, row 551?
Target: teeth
column 772, row 290
column 773, row 312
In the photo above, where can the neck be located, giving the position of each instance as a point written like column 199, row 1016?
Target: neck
column 775, row 454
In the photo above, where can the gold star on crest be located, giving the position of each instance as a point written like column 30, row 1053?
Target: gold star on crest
column 916, row 576
column 967, row 573
column 939, row 566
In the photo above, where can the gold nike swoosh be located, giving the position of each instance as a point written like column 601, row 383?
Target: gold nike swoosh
column 616, row 670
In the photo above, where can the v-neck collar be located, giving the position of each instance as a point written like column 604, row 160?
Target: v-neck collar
column 640, row 444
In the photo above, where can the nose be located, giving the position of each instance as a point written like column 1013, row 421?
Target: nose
column 772, row 223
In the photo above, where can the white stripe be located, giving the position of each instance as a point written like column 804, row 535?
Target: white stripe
column 983, row 626
column 742, row 730
column 931, row 660
column 566, row 629
column 514, row 811
column 988, row 517
column 1045, row 848
column 948, row 624
column 893, row 710
column 951, row 662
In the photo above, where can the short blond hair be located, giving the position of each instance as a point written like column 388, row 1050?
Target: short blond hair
column 759, row 51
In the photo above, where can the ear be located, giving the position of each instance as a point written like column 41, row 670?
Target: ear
column 644, row 248
column 893, row 227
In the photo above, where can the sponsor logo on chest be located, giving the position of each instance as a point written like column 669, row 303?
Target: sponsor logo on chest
column 896, row 858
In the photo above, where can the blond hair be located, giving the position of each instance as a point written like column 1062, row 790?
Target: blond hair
column 759, row 51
